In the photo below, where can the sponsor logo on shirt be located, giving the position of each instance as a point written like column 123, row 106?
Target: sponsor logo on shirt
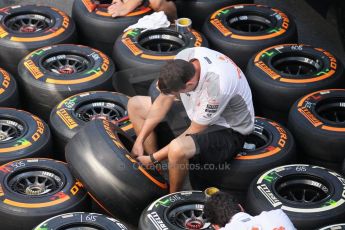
column 211, row 108
column 208, row 60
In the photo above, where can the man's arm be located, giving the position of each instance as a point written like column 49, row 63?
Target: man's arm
column 122, row 8
column 168, row 7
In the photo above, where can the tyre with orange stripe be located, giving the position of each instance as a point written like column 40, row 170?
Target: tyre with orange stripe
column 97, row 28
column 35, row 189
column 199, row 10
column 22, row 135
column 81, row 220
column 317, row 122
column 311, row 196
column 176, row 211
column 26, row 28
column 70, row 115
column 288, row 72
column 51, row 74
column 98, row 155
column 148, row 50
column 270, row 145
column 239, row 31
column 9, row 96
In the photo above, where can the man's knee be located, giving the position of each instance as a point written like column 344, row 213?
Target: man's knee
column 176, row 151
column 156, row 5
column 138, row 105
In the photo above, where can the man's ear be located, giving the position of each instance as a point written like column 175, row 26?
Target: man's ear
column 242, row 209
column 215, row 226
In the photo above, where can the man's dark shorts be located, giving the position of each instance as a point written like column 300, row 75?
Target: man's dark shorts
column 216, row 145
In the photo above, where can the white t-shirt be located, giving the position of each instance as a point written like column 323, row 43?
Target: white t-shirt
column 222, row 96
column 272, row 220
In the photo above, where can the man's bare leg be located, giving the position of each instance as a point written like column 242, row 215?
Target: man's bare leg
column 180, row 151
column 138, row 108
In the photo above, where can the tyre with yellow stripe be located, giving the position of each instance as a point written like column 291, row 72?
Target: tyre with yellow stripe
column 312, row 196
column 51, row 74
column 26, row 28
column 35, row 189
column 81, row 220
column 99, row 156
column 317, row 122
column 69, row 116
column 289, row 72
column 22, row 135
column 240, row 31
column 96, row 27
column 270, row 145
column 9, row 96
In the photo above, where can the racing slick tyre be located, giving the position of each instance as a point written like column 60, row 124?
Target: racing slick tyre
column 176, row 211
column 311, row 196
column 22, row 135
column 99, row 155
column 67, row 118
column 149, row 50
column 26, row 28
column 289, row 72
column 9, row 96
column 270, row 145
column 334, row 227
column 97, row 28
column 35, row 189
column 317, row 123
column 53, row 73
column 81, row 220
column 240, row 31
column 199, row 10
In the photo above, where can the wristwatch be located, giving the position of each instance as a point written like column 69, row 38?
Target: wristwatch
column 153, row 160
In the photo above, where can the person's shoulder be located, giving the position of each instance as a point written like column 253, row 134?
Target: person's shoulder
column 276, row 216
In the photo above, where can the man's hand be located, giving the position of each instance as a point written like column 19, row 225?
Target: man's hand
column 138, row 149
column 145, row 160
column 117, row 8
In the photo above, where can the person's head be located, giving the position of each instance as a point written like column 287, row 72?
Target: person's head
column 220, row 208
column 178, row 76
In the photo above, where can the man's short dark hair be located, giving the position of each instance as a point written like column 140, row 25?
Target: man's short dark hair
column 220, row 208
column 174, row 75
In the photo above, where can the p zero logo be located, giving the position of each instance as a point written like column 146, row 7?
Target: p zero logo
column 3, row 33
column 6, row 81
column 89, row 5
column 131, row 46
column 267, row 70
column 106, row 62
column 34, row 70
column 218, row 24
column 115, row 140
column 66, row 118
column 310, row 117
column 198, row 38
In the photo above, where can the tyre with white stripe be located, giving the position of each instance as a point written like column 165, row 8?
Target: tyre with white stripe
column 311, row 196
column 334, row 227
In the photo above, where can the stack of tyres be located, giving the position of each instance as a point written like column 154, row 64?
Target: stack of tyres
column 97, row 28
column 26, row 28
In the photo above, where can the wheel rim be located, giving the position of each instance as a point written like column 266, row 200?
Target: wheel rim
column 66, row 63
column 10, row 130
column 303, row 189
column 36, row 183
column 100, row 110
column 188, row 216
column 332, row 110
column 259, row 138
column 28, row 23
column 250, row 23
column 296, row 65
column 161, row 41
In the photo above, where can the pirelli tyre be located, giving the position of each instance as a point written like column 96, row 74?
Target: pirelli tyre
column 334, row 227
column 35, row 189
column 69, row 116
column 22, row 135
column 270, row 145
column 176, row 211
column 289, row 72
column 311, row 196
column 9, row 96
column 26, row 28
column 51, row 74
column 97, row 28
column 199, row 10
column 240, row 31
column 81, row 220
column 99, row 156
column 317, row 123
